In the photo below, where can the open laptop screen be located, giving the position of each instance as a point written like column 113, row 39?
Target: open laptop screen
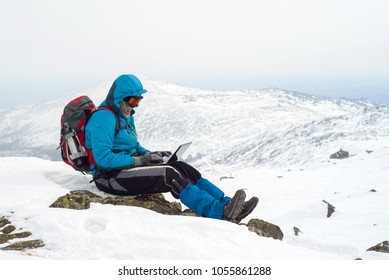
column 178, row 153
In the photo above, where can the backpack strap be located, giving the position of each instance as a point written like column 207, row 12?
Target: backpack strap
column 91, row 159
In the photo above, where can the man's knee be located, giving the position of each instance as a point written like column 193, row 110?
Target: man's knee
column 187, row 170
column 176, row 181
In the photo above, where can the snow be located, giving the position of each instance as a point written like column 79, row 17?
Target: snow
column 274, row 144
column 118, row 232
column 361, row 220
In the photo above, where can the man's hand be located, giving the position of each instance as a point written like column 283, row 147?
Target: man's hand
column 147, row 159
column 162, row 153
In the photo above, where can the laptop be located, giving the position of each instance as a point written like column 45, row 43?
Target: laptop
column 177, row 155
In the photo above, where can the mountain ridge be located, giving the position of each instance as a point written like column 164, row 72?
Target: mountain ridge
column 257, row 127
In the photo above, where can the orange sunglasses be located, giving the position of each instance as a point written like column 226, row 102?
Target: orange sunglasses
column 134, row 101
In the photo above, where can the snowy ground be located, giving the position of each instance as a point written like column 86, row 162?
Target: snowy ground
column 289, row 197
column 273, row 143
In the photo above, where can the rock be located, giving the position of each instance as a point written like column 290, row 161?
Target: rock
column 330, row 209
column 6, row 237
column 265, row 229
column 225, row 177
column 189, row 212
column 4, row 221
column 72, row 201
column 24, row 245
column 382, row 247
column 8, row 229
column 92, row 196
column 81, row 200
column 369, row 151
column 296, row 231
column 372, row 190
column 340, row 155
column 155, row 202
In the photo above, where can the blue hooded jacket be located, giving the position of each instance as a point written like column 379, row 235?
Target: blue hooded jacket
column 112, row 151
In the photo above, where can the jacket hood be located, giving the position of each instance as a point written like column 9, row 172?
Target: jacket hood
column 124, row 86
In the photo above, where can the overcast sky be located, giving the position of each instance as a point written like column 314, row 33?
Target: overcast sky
column 332, row 48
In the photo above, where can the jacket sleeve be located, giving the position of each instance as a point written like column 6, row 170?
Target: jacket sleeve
column 101, row 133
column 140, row 150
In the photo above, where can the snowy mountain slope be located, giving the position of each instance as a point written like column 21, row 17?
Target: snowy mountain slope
column 267, row 127
column 274, row 144
column 288, row 198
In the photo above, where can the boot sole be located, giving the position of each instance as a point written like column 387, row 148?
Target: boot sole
column 251, row 209
column 237, row 206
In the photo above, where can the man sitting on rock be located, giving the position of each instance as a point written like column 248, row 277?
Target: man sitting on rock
column 123, row 167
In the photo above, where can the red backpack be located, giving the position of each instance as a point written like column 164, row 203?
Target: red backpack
column 72, row 142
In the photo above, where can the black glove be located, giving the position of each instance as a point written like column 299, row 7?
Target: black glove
column 162, row 153
column 147, row 159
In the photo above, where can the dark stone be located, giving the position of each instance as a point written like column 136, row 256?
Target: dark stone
column 154, row 202
column 225, row 177
column 330, row 209
column 72, row 201
column 189, row 212
column 24, row 245
column 382, row 247
column 92, row 196
column 4, row 221
column 340, row 155
column 8, row 229
column 81, row 200
column 6, row 237
column 265, row 229
column 296, row 231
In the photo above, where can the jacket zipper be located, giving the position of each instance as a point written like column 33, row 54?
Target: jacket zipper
column 130, row 131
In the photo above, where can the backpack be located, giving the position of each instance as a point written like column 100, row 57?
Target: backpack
column 72, row 137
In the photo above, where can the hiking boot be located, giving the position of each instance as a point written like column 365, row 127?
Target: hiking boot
column 248, row 207
column 234, row 206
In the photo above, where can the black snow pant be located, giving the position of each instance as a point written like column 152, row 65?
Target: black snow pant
column 146, row 179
